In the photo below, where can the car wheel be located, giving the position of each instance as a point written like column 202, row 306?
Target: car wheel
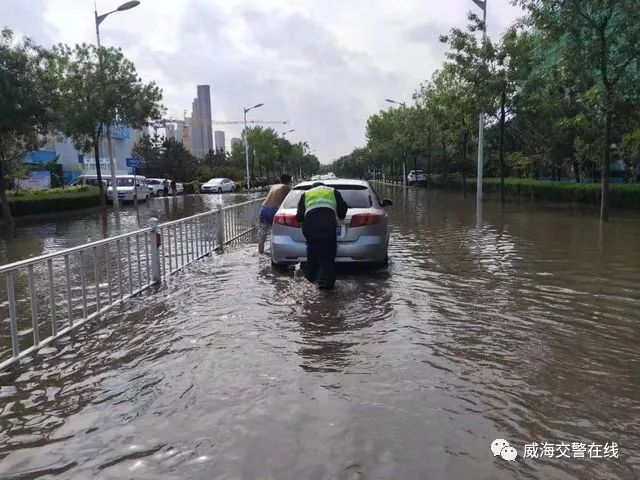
column 219, row 190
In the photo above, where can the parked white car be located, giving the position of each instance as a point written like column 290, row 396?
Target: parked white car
column 156, row 186
column 130, row 188
column 416, row 176
column 218, row 185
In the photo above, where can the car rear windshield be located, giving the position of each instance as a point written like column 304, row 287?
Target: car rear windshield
column 355, row 196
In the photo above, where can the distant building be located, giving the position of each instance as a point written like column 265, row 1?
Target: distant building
column 220, row 143
column 201, row 126
column 184, row 132
column 75, row 162
column 171, row 131
column 236, row 141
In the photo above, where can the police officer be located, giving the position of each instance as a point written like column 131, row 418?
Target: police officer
column 317, row 211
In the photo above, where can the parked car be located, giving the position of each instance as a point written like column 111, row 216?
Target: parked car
column 179, row 188
column 130, row 188
column 89, row 180
column 416, row 176
column 156, row 186
column 363, row 236
column 218, row 185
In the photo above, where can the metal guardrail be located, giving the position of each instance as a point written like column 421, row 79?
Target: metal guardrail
column 46, row 297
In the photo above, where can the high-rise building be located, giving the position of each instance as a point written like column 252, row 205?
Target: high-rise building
column 220, row 143
column 201, row 126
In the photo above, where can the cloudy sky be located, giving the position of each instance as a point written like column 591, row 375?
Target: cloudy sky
column 322, row 65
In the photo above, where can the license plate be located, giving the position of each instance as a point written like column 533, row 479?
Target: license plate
column 338, row 231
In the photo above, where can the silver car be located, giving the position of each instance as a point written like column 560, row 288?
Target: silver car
column 363, row 236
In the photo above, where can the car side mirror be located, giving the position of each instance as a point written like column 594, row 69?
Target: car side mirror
column 387, row 202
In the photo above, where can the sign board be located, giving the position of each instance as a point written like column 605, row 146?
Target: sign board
column 134, row 162
column 118, row 131
column 37, row 180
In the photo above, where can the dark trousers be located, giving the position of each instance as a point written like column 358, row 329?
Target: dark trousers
column 321, row 265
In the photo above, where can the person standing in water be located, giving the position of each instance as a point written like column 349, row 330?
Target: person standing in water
column 270, row 206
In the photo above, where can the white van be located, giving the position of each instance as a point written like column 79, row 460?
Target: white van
column 130, row 188
column 89, row 180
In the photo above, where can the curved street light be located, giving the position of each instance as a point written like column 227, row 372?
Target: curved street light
column 246, row 141
column 394, row 101
column 284, row 134
column 112, row 166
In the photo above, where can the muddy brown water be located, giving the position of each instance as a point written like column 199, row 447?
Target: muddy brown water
column 525, row 327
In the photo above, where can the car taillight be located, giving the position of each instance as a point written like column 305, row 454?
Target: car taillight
column 288, row 219
column 362, row 219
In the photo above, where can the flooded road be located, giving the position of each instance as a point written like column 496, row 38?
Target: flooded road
column 38, row 236
column 525, row 328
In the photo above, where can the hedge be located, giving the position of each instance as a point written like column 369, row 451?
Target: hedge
column 625, row 195
column 53, row 200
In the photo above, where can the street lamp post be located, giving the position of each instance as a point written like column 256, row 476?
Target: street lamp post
column 112, row 164
column 284, row 134
column 246, row 141
column 483, row 5
column 404, row 147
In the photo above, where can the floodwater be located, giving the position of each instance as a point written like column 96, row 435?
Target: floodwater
column 39, row 236
column 524, row 326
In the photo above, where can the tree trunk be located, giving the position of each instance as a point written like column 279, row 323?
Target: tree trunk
column 6, row 211
column 503, row 101
column 465, row 141
column 96, row 152
column 446, row 161
column 606, row 160
column 428, row 157
column 576, row 170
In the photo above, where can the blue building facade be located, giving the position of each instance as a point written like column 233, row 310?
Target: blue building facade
column 75, row 162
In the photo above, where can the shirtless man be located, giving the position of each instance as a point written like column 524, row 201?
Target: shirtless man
column 270, row 206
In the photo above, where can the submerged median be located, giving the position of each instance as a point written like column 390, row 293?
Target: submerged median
column 626, row 195
column 35, row 202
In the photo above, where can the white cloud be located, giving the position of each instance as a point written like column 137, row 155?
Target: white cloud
column 323, row 66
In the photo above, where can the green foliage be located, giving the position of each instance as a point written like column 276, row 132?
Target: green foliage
column 270, row 155
column 100, row 88
column 560, row 90
column 33, row 202
column 28, row 99
column 622, row 195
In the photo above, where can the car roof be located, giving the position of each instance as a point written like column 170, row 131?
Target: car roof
column 214, row 179
column 334, row 181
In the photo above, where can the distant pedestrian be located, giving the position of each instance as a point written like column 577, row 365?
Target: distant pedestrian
column 174, row 188
column 196, row 186
column 165, row 187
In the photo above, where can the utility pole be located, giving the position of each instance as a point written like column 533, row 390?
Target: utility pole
column 483, row 5
column 112, row 164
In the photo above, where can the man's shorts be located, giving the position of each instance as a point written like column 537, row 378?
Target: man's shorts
column 266, row 220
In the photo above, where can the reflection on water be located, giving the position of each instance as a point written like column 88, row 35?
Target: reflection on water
column 522, row 327
column 38, row 236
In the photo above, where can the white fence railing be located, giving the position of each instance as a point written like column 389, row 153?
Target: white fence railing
column 46, row 297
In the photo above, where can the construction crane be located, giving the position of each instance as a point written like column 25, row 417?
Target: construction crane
column 164, row 121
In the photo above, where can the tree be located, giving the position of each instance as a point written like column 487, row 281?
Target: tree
column 28, row 96
column 101, row 88
column 596, row 39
